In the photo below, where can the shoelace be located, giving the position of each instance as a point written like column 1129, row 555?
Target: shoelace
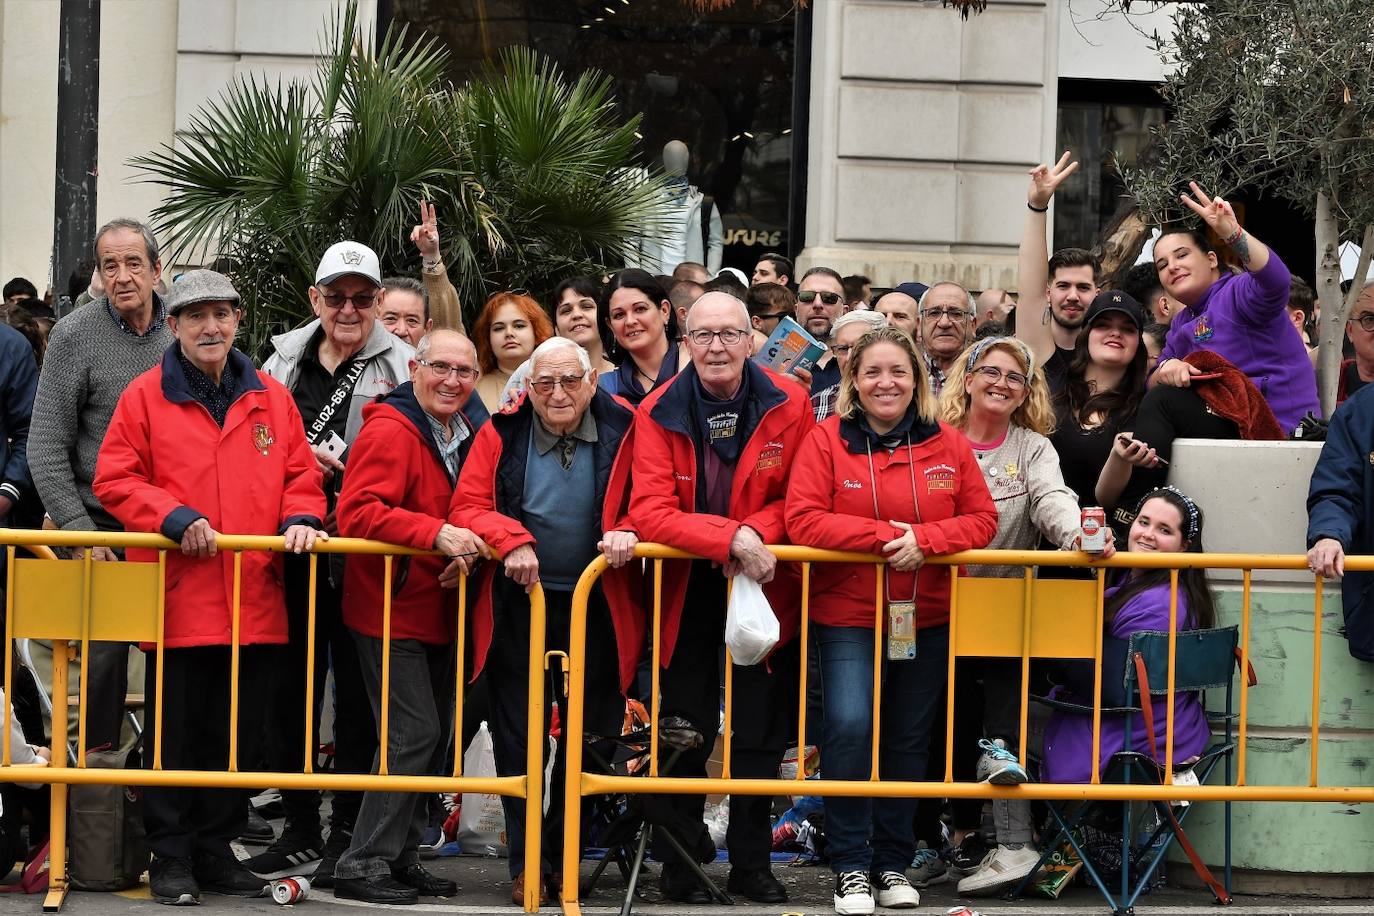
column 923, row 857
column 994, row 750
column 891, row 879
column 853, row 882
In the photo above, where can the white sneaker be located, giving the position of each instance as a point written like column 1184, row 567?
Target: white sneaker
column 895, row 891
column 998, row 765
column 1001, row 869
column 853, row 896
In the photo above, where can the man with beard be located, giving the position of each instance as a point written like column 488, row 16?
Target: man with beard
column 1056, row 296
column 946, row 328
column 820, row 300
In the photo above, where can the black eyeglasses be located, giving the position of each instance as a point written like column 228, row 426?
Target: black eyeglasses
column 730, row 337
column 841, row 349
column 1365, row 321
column 809, row 295
column 362, row 301
column 444, row 370
column 771, row 316
column 569, row 383
column 1015, row 380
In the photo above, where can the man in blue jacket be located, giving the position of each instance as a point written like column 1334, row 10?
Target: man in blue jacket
column 18, row 381
column 1340, row 514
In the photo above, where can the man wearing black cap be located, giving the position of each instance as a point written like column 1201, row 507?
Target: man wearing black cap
column 199, row 444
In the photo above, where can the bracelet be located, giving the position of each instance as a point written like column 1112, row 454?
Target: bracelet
column 1033, row 208
column 432, row 267
column 1229, row 242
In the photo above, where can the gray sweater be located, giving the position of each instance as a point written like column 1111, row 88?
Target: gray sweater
column 88, row 364
column 1028, row 489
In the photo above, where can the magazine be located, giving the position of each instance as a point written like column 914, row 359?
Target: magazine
column 789, row 347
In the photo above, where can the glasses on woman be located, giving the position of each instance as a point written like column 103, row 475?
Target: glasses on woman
column 729, row 337
column 1014, row 380
column 569, row 383
column 809, row 295
column 444, row 370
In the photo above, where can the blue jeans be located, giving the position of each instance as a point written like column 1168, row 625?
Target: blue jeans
column 864, row 836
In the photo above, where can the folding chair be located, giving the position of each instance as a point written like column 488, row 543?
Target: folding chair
column 644, row 817
column 1204, row 660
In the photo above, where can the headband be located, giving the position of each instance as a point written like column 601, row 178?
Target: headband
column 981, row 346
column 1193, row 517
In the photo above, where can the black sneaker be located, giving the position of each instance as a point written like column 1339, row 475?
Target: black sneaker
column 334, row 848
column 969, row 854
column 287, row 856
column 172, row 882
column 227, row 877
column 256, row 832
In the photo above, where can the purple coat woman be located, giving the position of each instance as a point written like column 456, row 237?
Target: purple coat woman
column 1069, row 737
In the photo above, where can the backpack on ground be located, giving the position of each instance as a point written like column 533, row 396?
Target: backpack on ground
column 107, row 848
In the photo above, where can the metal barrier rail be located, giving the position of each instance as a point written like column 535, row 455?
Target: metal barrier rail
column 1089, row 646
column 110, row 602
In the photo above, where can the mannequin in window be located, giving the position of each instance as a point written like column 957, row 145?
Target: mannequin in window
column 682, row 238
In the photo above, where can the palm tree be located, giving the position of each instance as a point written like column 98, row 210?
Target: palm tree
column 533, row 176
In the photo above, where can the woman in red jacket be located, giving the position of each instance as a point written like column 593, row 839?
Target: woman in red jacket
column 883, row 476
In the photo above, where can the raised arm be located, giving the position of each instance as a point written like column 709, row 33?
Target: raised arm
column 444, row 307
column 1032, row 274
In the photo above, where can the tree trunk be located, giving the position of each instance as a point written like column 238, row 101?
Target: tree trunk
column 1335, row 307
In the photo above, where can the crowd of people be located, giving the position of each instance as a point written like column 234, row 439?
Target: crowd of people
column 937, row 419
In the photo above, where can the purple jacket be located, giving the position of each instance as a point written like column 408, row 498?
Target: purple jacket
column 1069, row 737
column 1244, row 319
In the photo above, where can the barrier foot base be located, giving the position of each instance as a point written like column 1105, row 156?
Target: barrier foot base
column 571, row 907
column 57, row 894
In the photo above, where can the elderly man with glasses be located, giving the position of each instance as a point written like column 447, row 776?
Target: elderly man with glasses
column 403, row 468
column 535, row 488
column 946, row 328
column 712, row 453
column 333, row 366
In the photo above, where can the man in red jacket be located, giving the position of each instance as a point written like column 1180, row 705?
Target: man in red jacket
column 712, row 452
column 401, row 472
column 200, row 444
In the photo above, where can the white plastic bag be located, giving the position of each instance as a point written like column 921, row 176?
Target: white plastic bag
column 482, row 821
column 751, row 628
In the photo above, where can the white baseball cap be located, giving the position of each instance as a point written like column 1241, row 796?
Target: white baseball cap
column 344, row 258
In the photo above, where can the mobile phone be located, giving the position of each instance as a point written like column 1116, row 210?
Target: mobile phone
column 335, row 445
column 1126, row 440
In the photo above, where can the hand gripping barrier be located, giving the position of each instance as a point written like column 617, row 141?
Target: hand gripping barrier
column 1015, row 618
column 75, row 602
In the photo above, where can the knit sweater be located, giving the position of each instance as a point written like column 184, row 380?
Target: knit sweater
column 88, row 364
column 1031, row 497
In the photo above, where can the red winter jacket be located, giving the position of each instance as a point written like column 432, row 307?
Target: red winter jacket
column 165, row 463
column 830, row 505
column 490, row 499
column 666, row 489
column 397, row 490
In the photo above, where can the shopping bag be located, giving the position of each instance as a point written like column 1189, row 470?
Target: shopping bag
column 751, row 627
column 481, row 821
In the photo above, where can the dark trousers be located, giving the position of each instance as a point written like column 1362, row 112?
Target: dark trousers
column 386, row 834
column 876, row 833
column 184, row 823
column 508, row 683
column 355, row 731
column 764, row 718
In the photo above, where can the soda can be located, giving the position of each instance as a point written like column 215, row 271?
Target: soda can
column 287, row 891
column 962, row 911
column 1094, row 524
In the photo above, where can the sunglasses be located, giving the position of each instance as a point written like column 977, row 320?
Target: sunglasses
column 809, row 295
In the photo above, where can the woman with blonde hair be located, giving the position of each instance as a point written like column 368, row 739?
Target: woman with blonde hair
column 997, row 398
column 882, row 476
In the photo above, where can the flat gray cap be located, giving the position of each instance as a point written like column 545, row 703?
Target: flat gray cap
column 200, row 286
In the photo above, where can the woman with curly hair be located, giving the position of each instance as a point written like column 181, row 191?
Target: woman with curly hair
column 505, row 333
column 997, row 398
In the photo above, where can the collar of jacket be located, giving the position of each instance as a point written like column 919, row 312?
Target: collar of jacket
column 177, row 389
column 857, row 442
column 673, row 410
column 291, row 345
column 402, row 399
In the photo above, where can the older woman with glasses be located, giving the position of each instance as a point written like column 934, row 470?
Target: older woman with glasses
column 997, row 398
column 884, row 476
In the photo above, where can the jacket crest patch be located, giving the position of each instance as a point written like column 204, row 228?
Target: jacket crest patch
column 263, row 439
column 939, row 477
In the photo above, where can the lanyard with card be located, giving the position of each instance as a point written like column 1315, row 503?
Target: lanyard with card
column 901, row 615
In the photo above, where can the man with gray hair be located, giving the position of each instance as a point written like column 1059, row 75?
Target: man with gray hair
column 535, row 488
column 405, row 310
column 93, row 354
column 713, row 449
column 946, row 329
column 846, row 332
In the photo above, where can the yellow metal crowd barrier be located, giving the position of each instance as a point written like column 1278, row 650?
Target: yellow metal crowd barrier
column 1021, row 618
column 74, row 602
